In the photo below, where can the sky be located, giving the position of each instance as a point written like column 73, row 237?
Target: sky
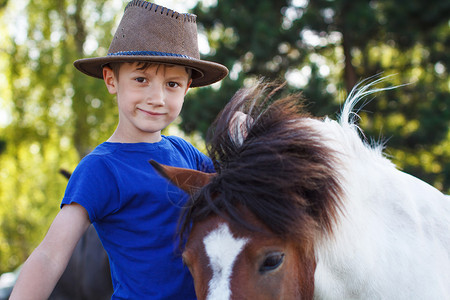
column 181, row 6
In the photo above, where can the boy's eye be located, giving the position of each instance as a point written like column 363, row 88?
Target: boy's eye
column 173, row 84
column 140, row 79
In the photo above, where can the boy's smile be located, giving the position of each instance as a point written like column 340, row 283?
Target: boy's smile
column 149, row 98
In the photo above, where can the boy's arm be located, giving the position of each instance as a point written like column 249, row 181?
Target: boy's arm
column 44, row 267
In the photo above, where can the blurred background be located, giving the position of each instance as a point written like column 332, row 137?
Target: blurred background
column 52, row 115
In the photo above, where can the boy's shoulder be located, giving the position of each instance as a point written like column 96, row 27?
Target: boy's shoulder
column 176, row 140
column 97, row 158
column 107, row 150
column 170, row 146
column 180, row 143
column 104, row 149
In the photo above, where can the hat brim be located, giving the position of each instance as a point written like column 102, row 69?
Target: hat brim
column 206, row 72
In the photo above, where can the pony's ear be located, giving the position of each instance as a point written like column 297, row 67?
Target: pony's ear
column 65, row 173
column 186, row 179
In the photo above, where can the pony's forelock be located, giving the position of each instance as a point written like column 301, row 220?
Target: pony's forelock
column 282, row 171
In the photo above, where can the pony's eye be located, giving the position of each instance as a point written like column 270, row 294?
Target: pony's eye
column 271, row 262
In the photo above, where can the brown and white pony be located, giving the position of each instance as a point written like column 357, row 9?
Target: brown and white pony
column 302, row 208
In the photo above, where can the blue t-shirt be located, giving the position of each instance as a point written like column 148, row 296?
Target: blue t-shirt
column 135, row 212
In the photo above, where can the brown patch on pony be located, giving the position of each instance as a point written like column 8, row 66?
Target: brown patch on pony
column 283, row 172
column 307, row 269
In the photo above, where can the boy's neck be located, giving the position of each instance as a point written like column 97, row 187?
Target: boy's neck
column 120, row 138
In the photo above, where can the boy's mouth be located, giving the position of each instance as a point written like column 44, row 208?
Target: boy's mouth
column 150, row 113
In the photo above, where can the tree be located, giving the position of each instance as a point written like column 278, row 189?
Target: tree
column 54, row 115
column 335, row 44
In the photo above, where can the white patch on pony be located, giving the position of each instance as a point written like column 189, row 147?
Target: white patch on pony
column 392, row 240
column 222, row 250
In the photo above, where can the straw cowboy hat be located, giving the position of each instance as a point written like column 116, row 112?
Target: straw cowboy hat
column 153, row 33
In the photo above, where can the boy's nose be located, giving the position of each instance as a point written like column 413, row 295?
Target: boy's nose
column 155, row 96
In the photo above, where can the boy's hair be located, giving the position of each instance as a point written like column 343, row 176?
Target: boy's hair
column 141, row 65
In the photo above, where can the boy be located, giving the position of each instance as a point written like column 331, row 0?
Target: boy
column 152, row 61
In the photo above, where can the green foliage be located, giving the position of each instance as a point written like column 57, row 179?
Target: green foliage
column 54, row 114
column 324, row 48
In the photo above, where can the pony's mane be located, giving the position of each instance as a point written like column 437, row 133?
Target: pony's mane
column 275, row 163
column 346, row 127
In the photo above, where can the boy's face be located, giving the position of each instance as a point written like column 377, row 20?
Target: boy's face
column 149, row 99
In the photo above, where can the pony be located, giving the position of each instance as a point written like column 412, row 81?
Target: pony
column 304, row 208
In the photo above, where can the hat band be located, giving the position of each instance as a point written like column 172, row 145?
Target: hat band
column 148, row 53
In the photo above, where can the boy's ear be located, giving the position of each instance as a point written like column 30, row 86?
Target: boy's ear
column 188, row 86
column 110, row 80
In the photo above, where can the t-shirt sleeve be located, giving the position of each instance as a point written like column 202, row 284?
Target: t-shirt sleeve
column 93, row 186
column 202, row 162
column 205, row 163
